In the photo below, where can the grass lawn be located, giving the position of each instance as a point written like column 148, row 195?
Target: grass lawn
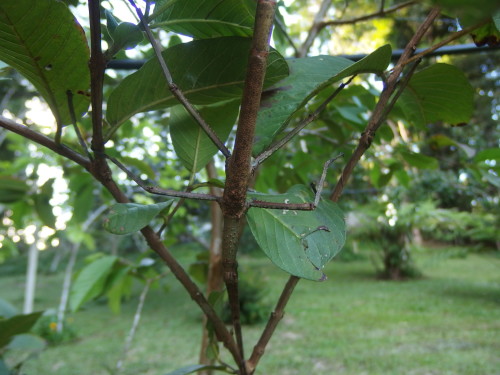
column 445, row 323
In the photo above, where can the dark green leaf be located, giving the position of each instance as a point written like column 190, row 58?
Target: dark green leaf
column 299, row 242
column 467, row 11
column 12, row 189
column 207, row 18
column 16, row 325
column 43, row 207
column 191, row 144
column 419, row 160
column 91, row 281
column 488, row 154
column 111, row 22
column 308, row 76
column 44, row 42
column 125, row 218
column 126, row 35
column 438, row 93
column 208, row 71
column 488, row 34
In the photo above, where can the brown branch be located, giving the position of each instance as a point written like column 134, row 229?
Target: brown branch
column 379, row 14
column 176, row 91
column 276, row 316
column 447, row 40
column 97, row 66
column 379, row 113
column 45, row 141
column 315, row 28
column 159, row 191
column 238, row 165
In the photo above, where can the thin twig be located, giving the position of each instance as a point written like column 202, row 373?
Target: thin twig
column 321, row 182
column 82, row 142
column 259, row 159
column 176, row 91
column 380, row 13
column 45, row 141
column 282, row 28
column 447, row 40
column 160, row 191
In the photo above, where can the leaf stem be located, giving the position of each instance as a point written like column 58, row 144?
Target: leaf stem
column 259, row 159
column 176, row 91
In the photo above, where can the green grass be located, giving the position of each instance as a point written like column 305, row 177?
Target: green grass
column 445, row 323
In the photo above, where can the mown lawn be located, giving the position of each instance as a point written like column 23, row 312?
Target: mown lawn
column 445, row 323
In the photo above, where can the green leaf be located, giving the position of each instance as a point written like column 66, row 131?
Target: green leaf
column 467, row 11
column 207, row 18
column 27, row 342
column 191, row 144
column 299, row 242
column 308, row 76
column 419, row 160
column 42, row 205
column 191, row 369
column 12, row 189
column 438, row 93
column 44, row 42
column 126, row 35
column 207, row 71
column 141, row 165
column 7, row 310
column 125, row 218
column 119, row 286
column 91, row 281
column 488, row 154
column 111, row 22
column 16, row 325
column 488, row 34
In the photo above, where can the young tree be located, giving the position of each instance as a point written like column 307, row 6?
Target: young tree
column 226, row 72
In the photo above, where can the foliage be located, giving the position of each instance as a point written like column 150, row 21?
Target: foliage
column 194, row 92
column 253, row 301
column 15, row 339
column 46, row 327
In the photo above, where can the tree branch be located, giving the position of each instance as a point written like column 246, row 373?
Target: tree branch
column 238, row 165
column 97, row 66
column 447, row 40
column 380, row 111
column 379, row 14
column 315, row 28
column 272, row 323
column 176, row 91
column 45, row 141
column 159, row 191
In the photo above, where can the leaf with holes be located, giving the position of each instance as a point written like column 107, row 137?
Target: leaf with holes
column 299, row 242
column 44, row 42
column 308, row 76
column 438, row 93
column 207, row 71
column 191, row 144
column 125, row 218
column 207, row 18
